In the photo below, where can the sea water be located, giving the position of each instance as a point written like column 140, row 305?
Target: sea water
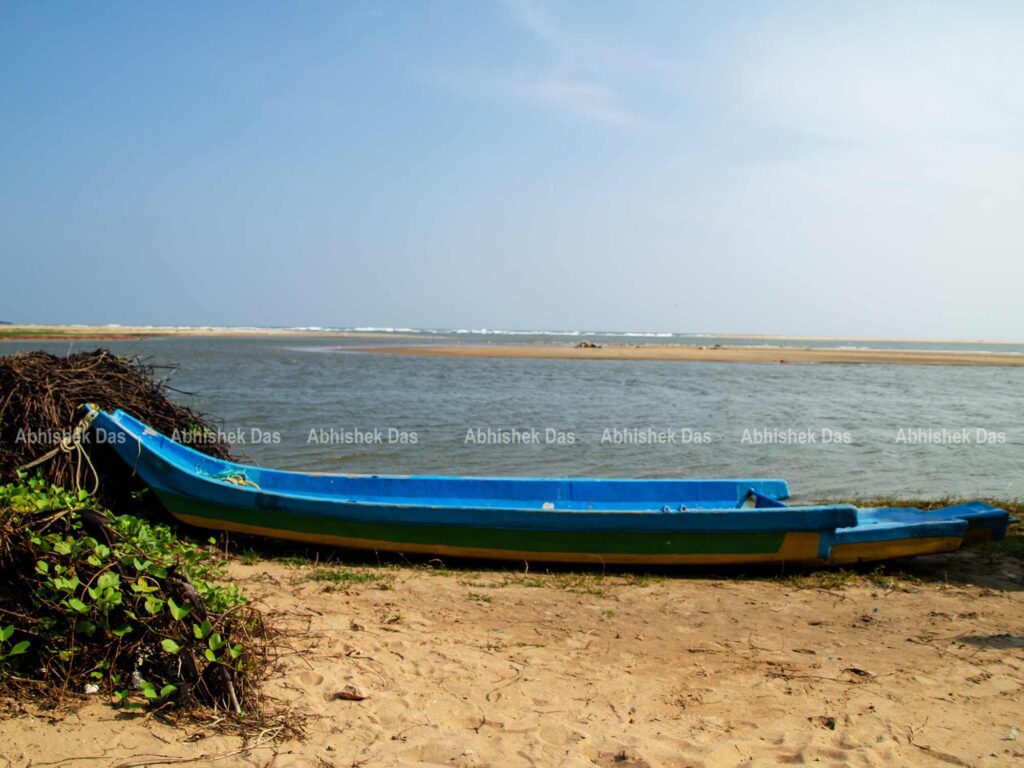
column 832, row 431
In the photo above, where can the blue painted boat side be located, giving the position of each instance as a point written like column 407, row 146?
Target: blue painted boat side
column 579, row 493
column 164, row 465
column 975, row 515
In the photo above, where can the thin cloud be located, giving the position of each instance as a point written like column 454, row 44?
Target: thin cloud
column 577, row 98
column 578, row 84
column 583, row 100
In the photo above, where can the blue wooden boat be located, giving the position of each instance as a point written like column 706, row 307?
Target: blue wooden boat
column 577, row 520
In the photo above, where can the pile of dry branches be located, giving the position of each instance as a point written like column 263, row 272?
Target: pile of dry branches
column 93, row 602
column 40, row 402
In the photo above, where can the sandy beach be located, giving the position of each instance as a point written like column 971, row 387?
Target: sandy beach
column 505, row 668
column 712, row 354
column 787, row 351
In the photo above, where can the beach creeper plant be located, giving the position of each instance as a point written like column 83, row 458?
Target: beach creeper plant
column 93, row 602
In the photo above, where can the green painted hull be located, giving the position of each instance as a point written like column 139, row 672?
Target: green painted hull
column 469, row 541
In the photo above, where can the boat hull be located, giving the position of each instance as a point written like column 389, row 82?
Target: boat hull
column 609, row 547
column 563, row 520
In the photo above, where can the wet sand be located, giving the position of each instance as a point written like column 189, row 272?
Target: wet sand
column 502, row 668
column 697, row 353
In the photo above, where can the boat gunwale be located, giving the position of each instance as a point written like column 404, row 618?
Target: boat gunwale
column 781, row 519
column 147, row 431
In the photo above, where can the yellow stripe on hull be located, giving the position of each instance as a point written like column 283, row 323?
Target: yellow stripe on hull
column 796, row 548
column 871, row 551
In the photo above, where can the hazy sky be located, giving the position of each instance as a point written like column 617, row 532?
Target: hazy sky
column 817, row 168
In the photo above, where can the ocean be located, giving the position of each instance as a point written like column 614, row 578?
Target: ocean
column 832, row 431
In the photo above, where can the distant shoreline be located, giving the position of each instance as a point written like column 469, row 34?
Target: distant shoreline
column 29, row 332
column 709, row 354
column 135, row 332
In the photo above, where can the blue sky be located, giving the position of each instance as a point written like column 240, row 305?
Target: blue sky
column 795, row 168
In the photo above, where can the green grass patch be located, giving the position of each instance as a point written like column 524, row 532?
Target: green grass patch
column 581, row 583
column 249, row 557
column 296, row 561
column 830, row 580
column 344, row 577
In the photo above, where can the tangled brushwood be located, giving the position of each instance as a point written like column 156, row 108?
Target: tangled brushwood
column 41, row 398
column 95, row 599
column 96, row 603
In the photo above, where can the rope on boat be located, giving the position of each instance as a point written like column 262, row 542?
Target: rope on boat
column 69, row 444
column 238, row 478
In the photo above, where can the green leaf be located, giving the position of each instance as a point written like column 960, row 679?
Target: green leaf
column 210, row 655
column 66, row 585
column 170, row 645
column 177, row 611
column 121, row 631
column 42, row 567
column 108, row 579
column 201, row 631
column 78, row 605
column 19, row 648
column 154, row 605
column 167, row 690
column 216, row 642
column 6, row 632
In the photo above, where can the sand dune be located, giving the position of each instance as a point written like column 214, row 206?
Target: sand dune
column 493, row 668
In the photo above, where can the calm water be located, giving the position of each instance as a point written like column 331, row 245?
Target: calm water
column 293, row 403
